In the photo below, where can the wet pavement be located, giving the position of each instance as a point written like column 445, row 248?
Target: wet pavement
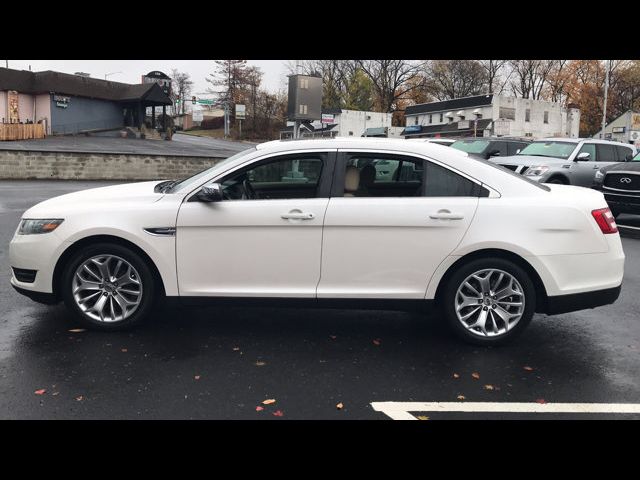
column 221, row 363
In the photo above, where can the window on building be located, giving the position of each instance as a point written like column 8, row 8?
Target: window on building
column 304, row 83
column 507, row 113
column 546, row 117
column 303, row 109
column 415, row 121
column 527, row 115
column 431, row 118
column 351, row 134
column 441, row 117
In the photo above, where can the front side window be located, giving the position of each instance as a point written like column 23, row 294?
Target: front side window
column 551, row 149
column 280, row 178
column 589, row 148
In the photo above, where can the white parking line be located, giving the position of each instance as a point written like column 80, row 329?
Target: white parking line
column 400, row 410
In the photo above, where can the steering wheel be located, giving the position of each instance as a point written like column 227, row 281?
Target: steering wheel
column 249, row 192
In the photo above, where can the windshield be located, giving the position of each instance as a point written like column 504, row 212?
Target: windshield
column 549, row 149
column 193, row 180
column 470, row 146
column 636, row 158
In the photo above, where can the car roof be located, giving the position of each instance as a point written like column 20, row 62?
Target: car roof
column 578, row 140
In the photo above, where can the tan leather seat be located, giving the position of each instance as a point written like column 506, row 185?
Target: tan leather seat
column 351, row 181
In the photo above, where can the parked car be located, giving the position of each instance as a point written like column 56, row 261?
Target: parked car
column 620, row 183
column 485, row 246
column 569, row 161
column 487, row 147
column 447, row 142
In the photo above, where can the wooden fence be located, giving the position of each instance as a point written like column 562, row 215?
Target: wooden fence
column 18, row 131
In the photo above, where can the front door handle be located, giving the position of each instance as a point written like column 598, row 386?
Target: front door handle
column 298, row 215
column 446, row 215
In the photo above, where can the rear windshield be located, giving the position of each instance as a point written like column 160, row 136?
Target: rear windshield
column 470, row 146
column 549, row 149
column 517, row 175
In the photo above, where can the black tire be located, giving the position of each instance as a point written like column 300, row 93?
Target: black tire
column 448, row 299
column 144, row 272
column 557, row 181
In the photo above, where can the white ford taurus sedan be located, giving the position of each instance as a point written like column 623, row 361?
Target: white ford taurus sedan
column 316, row 222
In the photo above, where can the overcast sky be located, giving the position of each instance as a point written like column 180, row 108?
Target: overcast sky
column 274, row 70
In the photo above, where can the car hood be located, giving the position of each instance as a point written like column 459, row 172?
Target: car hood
column 528, row 160
column 94, row 198
column 624, row 166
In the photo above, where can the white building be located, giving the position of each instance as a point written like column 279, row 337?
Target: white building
column 625, row 128
column 491, row 115
column 339, row 122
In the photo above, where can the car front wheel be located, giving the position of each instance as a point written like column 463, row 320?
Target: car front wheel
column 108, row 287
column 489, row 301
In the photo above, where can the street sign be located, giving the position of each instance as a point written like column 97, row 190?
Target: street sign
column 240, row 112
column 205, row 101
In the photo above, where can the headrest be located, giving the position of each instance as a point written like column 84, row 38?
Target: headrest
column 351, row 179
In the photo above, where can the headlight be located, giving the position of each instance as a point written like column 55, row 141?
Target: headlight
column 600, row 175
column 537, row 170
column 30, row 226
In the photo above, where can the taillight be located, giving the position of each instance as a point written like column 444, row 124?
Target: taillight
column 605, row 220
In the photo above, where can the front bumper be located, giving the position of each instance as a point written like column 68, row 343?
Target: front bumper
column 581, row 301
column 40, row 297
column 623, row 203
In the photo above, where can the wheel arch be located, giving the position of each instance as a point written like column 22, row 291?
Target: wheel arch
column 541, row 291
column 559, row 176
column 93, row 239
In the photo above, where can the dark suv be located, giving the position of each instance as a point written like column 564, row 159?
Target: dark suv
column 620, row 184
column 487, row 147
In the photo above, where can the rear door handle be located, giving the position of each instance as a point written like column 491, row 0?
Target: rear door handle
column 446, row 215
column 298, row 216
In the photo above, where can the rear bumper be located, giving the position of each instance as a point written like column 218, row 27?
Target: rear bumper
column 580, row 301
column 40, row 297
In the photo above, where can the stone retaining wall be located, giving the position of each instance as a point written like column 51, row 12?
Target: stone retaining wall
column 98, row 166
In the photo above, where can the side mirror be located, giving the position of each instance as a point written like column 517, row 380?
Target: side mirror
column 494, row 153
column 211, row 192
column 583, row 157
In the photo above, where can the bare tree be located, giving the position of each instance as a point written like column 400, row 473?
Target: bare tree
column 391, row 80
column 530, row 77
column 494, row 75
column 181, row 87
column 456, row 78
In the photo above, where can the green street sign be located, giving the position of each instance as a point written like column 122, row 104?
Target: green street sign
column 205, row 102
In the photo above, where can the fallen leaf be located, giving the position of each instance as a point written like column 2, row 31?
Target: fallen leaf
column 197, row 377
column 340, row 406
column 79, row 398
column 260, row 364
column 455, row 375
column 77, row 330
column 41, row 391
column 235, row 349
column 422, row 417
column 377, row 342
column 269, row 401
column 55, row 394
column 461, row 397
column 259, row 408
column 332, row 337
column 541, row 400
column 489, row 387
column 278, row 413
column 528, row 369
column 124, row 350
column 475, row 375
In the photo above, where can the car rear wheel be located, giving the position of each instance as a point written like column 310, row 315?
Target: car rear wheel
column 108, row 287
column 489, row 301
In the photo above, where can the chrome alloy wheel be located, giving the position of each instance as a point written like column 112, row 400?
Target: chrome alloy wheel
column 107, row 288
column 489, row 302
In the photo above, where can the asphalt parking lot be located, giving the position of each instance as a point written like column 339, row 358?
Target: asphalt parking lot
column 222, row 363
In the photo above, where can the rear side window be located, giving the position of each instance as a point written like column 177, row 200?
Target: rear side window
column 606, row 153
column 624, row 153
column 442, row 182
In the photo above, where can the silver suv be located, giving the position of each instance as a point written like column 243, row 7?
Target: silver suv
column 572, row 161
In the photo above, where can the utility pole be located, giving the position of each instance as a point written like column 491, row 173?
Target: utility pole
column 606, row 89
